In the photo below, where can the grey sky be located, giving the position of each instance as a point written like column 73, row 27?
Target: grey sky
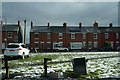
column 58, row 12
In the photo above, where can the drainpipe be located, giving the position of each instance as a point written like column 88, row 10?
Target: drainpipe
column 24, row 31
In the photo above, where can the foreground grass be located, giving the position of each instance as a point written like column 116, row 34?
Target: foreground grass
column 39, row 58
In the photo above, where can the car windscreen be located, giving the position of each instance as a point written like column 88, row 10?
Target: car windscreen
column 12, row 46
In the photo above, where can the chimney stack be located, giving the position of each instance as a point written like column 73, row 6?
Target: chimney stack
column 64, row 25
column 48, row 25
column 110, row 25
column 19, row 23
column 95, row 24
column 80, row 25
column 2, row 22
column 31, row 24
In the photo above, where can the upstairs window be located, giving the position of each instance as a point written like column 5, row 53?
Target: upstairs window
column 106, row 35
column 60, row 35
column 48, row 35
column 72, row 35
column 36, row 35
column 9, row 34
column 117, row 35
column 95, row 36
column 84, row 36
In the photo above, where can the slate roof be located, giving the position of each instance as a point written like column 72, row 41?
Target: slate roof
column 39, row 29
column 74, row 29
column 10, row 27
column 109, row 29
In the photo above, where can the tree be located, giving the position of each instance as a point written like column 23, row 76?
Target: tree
column 107, row 43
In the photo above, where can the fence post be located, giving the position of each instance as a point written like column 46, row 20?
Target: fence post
column 6, row 67
column 79, row 66
column 45, row 66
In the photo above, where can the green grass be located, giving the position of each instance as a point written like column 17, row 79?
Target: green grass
column 32, row 59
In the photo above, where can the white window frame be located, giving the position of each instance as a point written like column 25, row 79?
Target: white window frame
column 106, row 35
column 117, row 35
column 57, row 44
column 95, row 44
column 75, row 45
column 90, row 44
column 35, row 35
column 42, row 45
column 84, row 35
column 95, row 36
column 48, row 43
column 48, row 35
column 60, row 35
column 117, row 42
column 84, row 44
column 112, row 43
column 37, row 44
column 72, row 35
column 9, row 34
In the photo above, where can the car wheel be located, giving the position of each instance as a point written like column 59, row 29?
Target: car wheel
column 29, row 55
column 23, row 56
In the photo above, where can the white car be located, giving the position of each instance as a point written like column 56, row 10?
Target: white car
column 16, row 50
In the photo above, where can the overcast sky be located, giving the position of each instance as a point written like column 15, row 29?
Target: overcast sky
column 56, row 13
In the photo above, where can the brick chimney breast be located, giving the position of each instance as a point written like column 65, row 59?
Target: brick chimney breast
column 31, row 24
column 64, row 25
column 95, row 24
column 19, row 23
column 110, row 25
column 80, row 25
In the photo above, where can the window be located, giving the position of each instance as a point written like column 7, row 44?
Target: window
column 60, row 36
column 84, row 36
column 84, row 44
column 41, row 45
column 76, row 45
column 36, row 45
column 72, row 35
column 9, row 34
column 48, row 45
column 117, row 43
column 112, row 43
column 106, row 35
column 117, row 35
column 90, row 44
column 57, row 44
column 36, row 35
column 48, row 35
column 13, row 46
column 95, row 44
column 95, row 36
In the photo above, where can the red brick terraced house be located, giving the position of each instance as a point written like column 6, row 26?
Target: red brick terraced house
column 48, row 37
column 11, row 33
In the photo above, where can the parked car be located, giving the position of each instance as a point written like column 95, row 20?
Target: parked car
column 61, row 49
column 107, row 48
column 118, row 48
column 16, row 50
